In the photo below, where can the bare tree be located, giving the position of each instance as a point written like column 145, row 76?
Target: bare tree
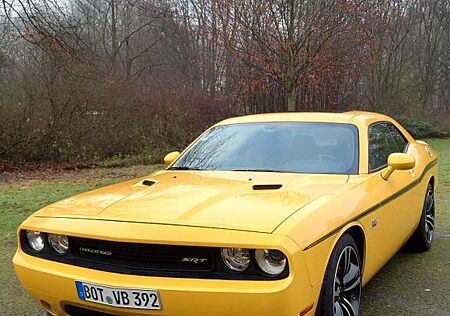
column 87, row 79
column 431, row 47
column 283, row 40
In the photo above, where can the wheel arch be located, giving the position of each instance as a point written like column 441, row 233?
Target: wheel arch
column 325, row 251
column 432, row 181
column 357, row 233
column 356, row 230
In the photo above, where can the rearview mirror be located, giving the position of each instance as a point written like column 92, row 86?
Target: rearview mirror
column 398, row 161
column 170, row 157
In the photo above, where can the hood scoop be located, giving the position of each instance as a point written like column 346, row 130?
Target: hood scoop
column 258, row 187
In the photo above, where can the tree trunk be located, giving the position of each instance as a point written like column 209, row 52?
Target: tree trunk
column 291, row 71
column 292, row 97
column 115, row 44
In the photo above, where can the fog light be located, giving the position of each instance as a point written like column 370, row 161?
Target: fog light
column 46, row 306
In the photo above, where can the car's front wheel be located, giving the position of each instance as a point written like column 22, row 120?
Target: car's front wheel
column 341, row 288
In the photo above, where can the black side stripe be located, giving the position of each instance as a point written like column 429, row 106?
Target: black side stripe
column 377, row 206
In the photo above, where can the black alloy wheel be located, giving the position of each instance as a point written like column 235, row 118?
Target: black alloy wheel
column 423, row 236
column 342, row 285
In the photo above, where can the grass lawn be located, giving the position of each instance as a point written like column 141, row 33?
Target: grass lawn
column 410, row 284
column 20, row 196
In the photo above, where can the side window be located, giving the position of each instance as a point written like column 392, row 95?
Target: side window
column 382, row 143
column 399, row 138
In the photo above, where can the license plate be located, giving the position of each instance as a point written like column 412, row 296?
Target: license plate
column 118, row 297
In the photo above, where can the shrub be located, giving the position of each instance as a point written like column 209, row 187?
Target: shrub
column 422, row 129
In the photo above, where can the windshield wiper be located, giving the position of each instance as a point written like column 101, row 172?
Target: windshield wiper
column 243, row 170
column 183, row 168
column 261, row 170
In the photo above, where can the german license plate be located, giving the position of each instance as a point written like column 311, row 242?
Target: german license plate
column 118, row 297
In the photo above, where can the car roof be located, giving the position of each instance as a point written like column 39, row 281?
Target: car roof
column 324, row 117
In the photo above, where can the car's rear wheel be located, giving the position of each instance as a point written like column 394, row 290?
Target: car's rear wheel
column 423, row 236
column 341, row 288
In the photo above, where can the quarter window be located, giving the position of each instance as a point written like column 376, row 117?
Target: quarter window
column 400, row 140
column 384, row 139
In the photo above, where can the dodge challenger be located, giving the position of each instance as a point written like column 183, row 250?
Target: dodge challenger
column 271, row 214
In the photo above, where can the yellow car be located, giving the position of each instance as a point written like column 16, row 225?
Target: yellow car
column 273, row 214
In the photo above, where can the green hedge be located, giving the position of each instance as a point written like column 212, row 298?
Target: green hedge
column 422, row 129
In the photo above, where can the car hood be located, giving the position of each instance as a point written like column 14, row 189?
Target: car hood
column 247, row 201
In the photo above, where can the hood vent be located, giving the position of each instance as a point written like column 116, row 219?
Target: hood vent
column 148, row 183
column 267, row 186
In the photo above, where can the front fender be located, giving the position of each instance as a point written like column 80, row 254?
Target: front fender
column 318, row 256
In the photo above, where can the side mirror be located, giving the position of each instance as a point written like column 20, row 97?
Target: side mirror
column 170, row 157
column 398, row 161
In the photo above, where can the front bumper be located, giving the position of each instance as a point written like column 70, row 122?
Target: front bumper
column 53, row 284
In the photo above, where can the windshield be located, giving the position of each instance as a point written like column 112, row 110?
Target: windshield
column 327, row 148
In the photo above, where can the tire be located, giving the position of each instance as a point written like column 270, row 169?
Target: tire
column 423, row 236
column 342, row 287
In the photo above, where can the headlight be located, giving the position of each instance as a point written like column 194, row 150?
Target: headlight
column 59, row 243
column 272, row 262
column 237, row 259
column 35, row 240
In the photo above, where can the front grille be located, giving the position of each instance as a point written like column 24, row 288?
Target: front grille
column 148, row 259
column 79, row 311
column 143, row 256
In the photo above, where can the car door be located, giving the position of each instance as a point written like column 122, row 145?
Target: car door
column 393, row 214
